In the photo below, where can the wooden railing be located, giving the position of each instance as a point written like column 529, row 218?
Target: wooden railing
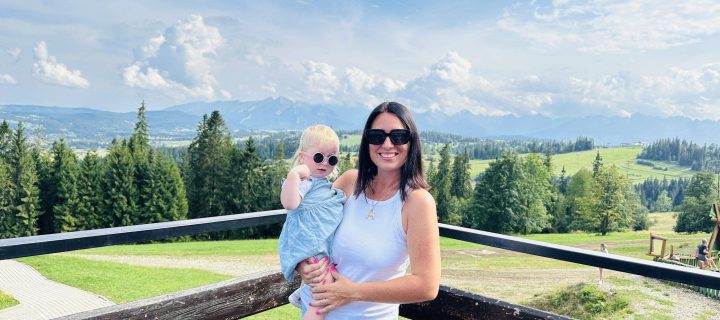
column 248, row 295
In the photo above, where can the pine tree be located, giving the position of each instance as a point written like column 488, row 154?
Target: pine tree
column 6, row 137
column 139, row 147
column 119, row 187
column 27, row 202
column 440, row 183
column 597, row 164
column 164, row 194
column 7, row 202
column 278, row 171
column 174, row 195
column 460, row 185
column 65, row 200
column 48, row 189
column 208, row 163
column 495, row 205
column 90, row 194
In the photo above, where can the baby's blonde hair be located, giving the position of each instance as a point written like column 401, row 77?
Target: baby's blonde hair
column 317, row 135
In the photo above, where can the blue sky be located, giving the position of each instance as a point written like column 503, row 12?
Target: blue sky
column 554, row 58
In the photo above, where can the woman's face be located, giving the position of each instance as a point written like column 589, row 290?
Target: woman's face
column 386, row 156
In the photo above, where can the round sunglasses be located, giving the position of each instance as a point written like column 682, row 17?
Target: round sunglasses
column 397, row 136
column 320, row 158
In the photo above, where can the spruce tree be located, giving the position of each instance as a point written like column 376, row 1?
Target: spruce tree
column 139, row 146
column 119, row 187
column 440, row 184
column 27, row 202
column 173, row 197
column 90, row 194
column 495, row 205
column 6, row 138
column 208, row 163
column 48, row 189
column 65, row 200
column 7, row 202
column 597, row 164
column 460, row 185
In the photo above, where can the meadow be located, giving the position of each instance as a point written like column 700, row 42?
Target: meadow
column 622, row 157
column 126, row 273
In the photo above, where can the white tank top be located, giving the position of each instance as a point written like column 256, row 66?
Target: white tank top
column 368, row 248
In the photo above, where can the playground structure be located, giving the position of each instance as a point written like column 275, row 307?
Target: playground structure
column 658, row 245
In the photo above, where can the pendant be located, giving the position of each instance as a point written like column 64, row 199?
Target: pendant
column 371, row 214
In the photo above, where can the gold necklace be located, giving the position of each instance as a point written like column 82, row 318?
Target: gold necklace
column 371, row 213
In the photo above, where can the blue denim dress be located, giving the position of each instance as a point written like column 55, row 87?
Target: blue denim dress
column 309, row 229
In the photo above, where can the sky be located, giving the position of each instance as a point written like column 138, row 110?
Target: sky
column 552, row 58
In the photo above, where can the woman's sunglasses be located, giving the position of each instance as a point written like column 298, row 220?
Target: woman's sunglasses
column 397, row 136
column 319, row 158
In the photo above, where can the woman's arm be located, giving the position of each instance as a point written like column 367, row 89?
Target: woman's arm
column 423, row 281
column 290, row 191
column 346, row 182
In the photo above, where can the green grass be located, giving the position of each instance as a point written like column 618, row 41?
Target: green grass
column 350, row 139
column 192, row 249
column 6, row 301
column 622, row 157
column 119, row 282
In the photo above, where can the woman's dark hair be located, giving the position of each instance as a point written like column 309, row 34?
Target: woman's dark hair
column 411, row 173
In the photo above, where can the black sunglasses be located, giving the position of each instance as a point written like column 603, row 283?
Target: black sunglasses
column 397, row 136
column 319, row 158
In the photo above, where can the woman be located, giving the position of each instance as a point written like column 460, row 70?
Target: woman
column 389, row 223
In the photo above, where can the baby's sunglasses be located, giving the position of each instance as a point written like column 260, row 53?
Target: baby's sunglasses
column 397, row 136
column 319, row 158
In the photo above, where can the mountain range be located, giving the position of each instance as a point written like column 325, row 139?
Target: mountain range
column 85, row 127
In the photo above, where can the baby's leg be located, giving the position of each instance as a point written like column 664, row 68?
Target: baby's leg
column 313, row 313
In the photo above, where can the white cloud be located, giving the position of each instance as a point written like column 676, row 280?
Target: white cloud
column 616, row 25
column 320, row 81
column 47, row 69
column 14, row 53
column 7, row 79
column 179, row 61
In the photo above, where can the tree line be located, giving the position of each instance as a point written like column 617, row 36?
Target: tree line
column 57, row 191
column 519, row 194
column 684, row 153
column 662, row 195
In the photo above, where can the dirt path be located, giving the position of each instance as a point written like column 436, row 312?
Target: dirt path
column 39, row 297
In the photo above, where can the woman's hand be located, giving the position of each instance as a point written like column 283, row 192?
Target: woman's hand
column 330, row 296
column 312, row 270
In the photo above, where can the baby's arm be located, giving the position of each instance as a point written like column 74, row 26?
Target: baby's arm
column 290, row 192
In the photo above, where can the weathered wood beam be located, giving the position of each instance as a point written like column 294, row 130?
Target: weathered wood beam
column 231, row 299
column 455, row 304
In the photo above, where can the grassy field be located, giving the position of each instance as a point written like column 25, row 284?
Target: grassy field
column 622, row 157
column 119, row 282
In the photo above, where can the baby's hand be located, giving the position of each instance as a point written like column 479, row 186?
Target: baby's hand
column 303, row 171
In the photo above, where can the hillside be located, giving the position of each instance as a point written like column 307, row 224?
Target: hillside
column 622, row 157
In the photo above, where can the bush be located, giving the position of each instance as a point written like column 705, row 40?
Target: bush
column 582, row 301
